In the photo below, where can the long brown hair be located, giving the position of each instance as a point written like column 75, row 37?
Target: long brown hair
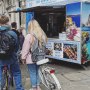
column 34, row 28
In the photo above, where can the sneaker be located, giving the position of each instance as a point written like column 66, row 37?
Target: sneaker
column 33, row 89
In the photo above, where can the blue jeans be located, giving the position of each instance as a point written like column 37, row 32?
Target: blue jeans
column 34, row 76
column 15, row 70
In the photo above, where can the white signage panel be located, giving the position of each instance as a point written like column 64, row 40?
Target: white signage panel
column 29, row 3
column 33, row 3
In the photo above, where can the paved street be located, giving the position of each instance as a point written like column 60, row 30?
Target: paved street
column 71, row 76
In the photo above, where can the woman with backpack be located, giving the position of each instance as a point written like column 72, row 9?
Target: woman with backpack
column 34, row 31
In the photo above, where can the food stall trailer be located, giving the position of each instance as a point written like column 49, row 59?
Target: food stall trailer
column 67, row 25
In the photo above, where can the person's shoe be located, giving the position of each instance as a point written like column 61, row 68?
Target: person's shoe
column 38, row 88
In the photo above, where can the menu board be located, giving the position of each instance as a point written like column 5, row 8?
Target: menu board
column 49, row 48
column 64, row 50
column 58, row 50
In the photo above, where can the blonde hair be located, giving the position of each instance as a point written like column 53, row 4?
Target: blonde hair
column 34, row 28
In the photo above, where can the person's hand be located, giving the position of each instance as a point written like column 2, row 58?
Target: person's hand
column 23, row 61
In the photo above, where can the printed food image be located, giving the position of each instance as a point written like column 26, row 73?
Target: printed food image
column 68, row 21
column 49, row 52
column 58, row 46
column 70, row 51
column 85, row 46
column 72, row 31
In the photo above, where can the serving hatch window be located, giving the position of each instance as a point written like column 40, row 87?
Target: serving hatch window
column 52, row 21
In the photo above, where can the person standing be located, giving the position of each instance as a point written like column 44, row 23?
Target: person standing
column 12, row 60
column 21, row 38
column 34, row 30
column 14, row 28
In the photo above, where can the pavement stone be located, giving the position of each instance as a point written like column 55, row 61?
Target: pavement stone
column 75, row 84
column 76, row 76
column 27, row 84
column 86, row 72
column 69, row 78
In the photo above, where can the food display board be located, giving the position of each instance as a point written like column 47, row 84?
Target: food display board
column 75, row 46
column 64, row 50
column 73, row 15
column 85, row 27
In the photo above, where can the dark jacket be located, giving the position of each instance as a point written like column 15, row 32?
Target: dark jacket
column 13, row 57
column 21, row 40
column 16, row 32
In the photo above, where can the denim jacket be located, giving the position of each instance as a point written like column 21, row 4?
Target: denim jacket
column 13, row 58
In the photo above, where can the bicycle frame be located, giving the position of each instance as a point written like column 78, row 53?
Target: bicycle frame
column 42, row 73
column 47, row 74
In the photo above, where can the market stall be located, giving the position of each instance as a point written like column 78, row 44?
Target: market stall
column 67, row 25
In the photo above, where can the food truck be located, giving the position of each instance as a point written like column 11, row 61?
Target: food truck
column 67, row 25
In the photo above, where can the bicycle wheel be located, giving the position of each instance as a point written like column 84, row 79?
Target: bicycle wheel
column 52, row 81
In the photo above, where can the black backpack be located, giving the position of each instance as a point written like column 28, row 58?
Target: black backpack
column 37, row 52
column 7, row 44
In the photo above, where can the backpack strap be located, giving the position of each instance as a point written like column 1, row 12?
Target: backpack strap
column 34, row 44
column 16, row 39
column 13, row 34
column 42, row 43
column 36, row 39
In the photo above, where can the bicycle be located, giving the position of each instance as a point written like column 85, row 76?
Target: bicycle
column 47, row 76
column 7, row 78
